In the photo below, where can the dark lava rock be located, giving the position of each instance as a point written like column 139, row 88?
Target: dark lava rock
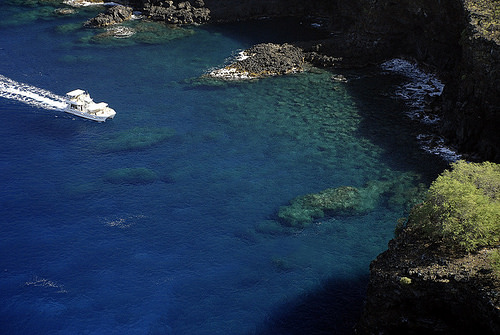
column 174, row 12
column 273, row 59
column 113, row 15
column 417, row 287
column 264, row 60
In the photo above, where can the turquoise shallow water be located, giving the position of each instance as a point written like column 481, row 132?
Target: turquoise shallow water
column 161, row 221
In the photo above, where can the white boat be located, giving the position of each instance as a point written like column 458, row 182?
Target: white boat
column 81, row 104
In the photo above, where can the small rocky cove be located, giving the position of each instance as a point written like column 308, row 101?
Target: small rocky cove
column 415, row 287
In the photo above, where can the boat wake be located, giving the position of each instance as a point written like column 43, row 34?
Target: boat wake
column 30, row 95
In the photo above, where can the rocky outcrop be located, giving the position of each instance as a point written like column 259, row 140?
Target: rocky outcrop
column 417, row 288
column 263, row 60
column 230, row 10
column 177, row 12
column 113, row 15
column 471, row 100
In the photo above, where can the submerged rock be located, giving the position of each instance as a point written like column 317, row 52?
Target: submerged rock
column 263, row 60
column 113, row 15
column 64, row 11
column 134, row 176
column 116, row 32
column 304, row 209
column 135, row 139
column 138, row 32
column 401, row 192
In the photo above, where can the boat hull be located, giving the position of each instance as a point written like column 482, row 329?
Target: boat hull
column 88, row 116
column 79, row 103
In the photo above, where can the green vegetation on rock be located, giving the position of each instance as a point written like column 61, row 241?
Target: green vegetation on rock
column 462, row 207
column 405, row 281
column 485, row 18
column 495, row 262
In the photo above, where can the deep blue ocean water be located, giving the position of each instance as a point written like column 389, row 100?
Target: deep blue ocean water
column 190, row 245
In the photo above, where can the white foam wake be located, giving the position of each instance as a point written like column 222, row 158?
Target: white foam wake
column 30, row 95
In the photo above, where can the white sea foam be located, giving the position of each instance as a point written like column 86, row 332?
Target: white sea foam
column 229, row 73
column 242, row 56
column 83, row 3
column 30, row 95
column 124, row 222
column 416, row 92
column 46, row 283
column 137, row 16
column 121, row 31
column 420, row 86
column 435, row 145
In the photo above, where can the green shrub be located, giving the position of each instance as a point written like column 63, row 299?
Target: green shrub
column 405, row 281
column 462, row 207
column 495, row 262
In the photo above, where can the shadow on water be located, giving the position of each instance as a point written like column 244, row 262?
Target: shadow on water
column 383, row 119
column 275, row 30
column 385, row 123
column 332, row 308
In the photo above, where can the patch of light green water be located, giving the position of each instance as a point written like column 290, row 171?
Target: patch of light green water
column 307, row 118
column 309, row 125
column 19, row 12
column 126, row 34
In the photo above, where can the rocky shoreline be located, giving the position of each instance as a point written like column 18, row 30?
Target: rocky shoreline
column 113, row 15
column 460, row 39
column 178, row 12
column 417, row 288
